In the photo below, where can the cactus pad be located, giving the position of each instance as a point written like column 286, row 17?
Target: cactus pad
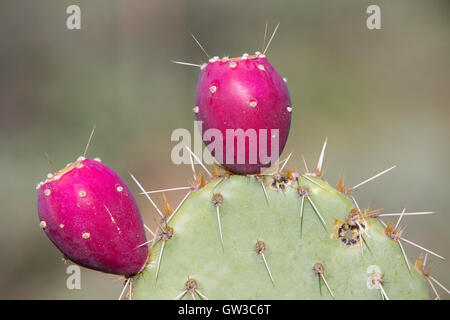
column 272, row 249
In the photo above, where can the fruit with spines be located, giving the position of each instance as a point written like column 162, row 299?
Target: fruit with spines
column 248, row 102
column 91, row 216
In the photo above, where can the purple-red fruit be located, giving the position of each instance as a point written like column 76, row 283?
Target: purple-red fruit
column 91, row 216
column 244, row 93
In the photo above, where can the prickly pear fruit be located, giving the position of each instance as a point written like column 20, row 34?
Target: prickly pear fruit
column 91, row 216
column 248, row 98
column 287, row 235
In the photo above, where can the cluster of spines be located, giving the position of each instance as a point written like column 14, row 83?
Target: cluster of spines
column 232, row 61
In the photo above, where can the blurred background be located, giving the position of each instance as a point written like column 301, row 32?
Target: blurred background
column 380, row 96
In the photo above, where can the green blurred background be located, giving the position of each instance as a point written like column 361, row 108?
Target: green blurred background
column 380, row 96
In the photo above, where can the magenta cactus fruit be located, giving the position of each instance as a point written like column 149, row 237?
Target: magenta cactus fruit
column 244, row 98
column 91, row 216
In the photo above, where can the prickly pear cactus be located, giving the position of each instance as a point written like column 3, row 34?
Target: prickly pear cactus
column 250, row 232
column 284, row 236
column 280, row 235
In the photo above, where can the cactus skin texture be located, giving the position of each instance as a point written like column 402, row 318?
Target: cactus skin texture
column 244, row 93
column 91, row 216
column 194, row 264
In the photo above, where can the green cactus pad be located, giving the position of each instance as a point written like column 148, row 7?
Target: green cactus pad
column 238, row 271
